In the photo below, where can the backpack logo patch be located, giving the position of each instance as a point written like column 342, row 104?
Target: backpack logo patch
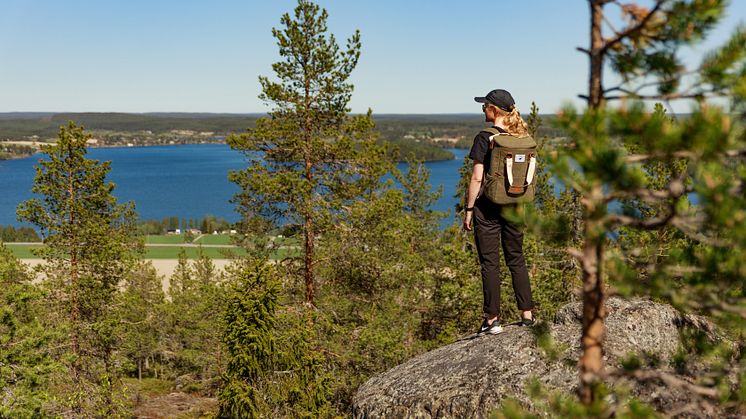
column 520, row 158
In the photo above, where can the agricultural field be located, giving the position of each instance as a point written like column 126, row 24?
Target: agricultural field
column 168, row 246
column 23, row 251
column 165, row 239
column 216, row 239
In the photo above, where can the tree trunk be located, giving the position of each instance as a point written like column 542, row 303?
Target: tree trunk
column 74, row 298
column 308, row 272
column 309, row 225
column 591, row 341
column 139, row 369
column 595, row 88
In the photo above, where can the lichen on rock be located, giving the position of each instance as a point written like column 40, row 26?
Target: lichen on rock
column 470, row 377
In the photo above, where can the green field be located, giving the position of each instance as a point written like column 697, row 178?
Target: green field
column 172, row 252
column 165, row 239
column 216, row 239
column 167, row 252
column 22, row 251
column 175, row 246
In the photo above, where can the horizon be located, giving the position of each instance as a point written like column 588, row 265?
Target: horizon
column 166, row 57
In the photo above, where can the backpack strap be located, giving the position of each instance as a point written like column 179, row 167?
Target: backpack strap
column 495, row 133
column 531, row 169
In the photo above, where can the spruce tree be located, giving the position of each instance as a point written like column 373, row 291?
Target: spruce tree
column 196, row 294
column 250, row 318
column 26, row 362
column 89, row 248
column 139, row 311
column 304, row 158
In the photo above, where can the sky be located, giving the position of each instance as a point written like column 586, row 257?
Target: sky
column 418, row 56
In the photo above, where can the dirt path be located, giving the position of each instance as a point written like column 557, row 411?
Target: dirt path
column 164, row 267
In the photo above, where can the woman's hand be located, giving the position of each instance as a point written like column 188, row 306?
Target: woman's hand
column 467, row 220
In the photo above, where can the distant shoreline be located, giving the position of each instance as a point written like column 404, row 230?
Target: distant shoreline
column 18, row 157
column 116, row 146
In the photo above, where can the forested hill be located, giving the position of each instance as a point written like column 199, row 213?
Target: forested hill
column 425, row 136
column 45, row 125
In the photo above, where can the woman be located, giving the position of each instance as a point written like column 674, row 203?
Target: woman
column 491, row 229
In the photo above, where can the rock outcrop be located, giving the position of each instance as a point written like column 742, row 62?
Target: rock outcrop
column 470, row 377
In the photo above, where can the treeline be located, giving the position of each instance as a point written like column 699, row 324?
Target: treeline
column 20, row 234
column 207, row 225
column 10, row 151
column 47, row 126
column 424, row 136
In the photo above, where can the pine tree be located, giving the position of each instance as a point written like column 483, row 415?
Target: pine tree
column 597, row 167
column 303, row 158
column 89, row 249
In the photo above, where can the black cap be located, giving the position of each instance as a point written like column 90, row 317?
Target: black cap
column 500, row 98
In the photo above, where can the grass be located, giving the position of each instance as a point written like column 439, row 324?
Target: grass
column 215, row 239
column 165, row 252
column 149, row 387
column 165, row 239
column 171, row 252
column 23, row 251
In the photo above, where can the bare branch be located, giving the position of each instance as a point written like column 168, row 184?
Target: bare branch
column 674, row 96
column 675, row 77
column 637, row 158
column 690, row 228
column 583, row 50
column 668, row 379
column 575, row 253
column 682, row 270
column 650, row 196
column 633, row 29
column 608, row 22
column 739, row 310
column 644, row 224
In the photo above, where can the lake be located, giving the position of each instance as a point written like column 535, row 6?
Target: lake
column 187, row 181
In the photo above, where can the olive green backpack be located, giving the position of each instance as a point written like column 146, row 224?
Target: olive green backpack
column 513, row 162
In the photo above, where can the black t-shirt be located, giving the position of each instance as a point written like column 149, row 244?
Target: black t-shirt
column 480, row 150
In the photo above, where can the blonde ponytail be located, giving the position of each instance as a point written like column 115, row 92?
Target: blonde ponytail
column 514, row 123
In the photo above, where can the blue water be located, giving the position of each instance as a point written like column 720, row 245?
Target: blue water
column 187, row 181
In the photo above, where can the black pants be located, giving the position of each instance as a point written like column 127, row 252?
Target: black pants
column 490, row 229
